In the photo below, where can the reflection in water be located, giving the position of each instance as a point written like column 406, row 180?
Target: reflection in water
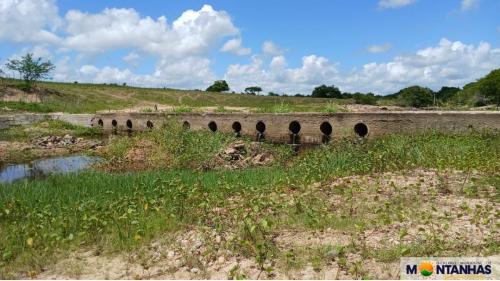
column 43, row 167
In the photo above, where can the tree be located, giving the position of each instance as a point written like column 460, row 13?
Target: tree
column 416, row 96
column 347, row 95
column 489, row 86
column 253, row 90
column 447, row 93
column 272, row 94
column 218, row 86
column 360, row 98
column 31, row 69
column 324, row 91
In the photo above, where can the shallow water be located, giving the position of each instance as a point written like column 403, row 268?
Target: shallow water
column 43, row 167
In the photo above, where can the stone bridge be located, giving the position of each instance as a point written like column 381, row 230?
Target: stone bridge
column 307, row 128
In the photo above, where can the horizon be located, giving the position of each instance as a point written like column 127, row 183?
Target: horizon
column 377, row 46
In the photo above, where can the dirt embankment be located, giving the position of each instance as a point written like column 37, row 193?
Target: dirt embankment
column 17, row 95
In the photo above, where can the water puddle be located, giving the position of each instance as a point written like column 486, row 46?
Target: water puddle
column 43, row 167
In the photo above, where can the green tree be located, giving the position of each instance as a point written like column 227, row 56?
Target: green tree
column 253, row 90
column 445, row 94
column 272, row 94
column 360, row 98
column 218, row 86
column 324, row 91
column 31, row 69
column 416, row 96
column 489, row 86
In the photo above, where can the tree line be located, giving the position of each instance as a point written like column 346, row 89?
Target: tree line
column 484, row 91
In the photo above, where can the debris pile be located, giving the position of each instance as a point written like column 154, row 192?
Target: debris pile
column 53, row 141
column 65, row 141
column 240, row 155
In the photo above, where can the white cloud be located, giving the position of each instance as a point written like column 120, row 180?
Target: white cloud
column 188, row 73
column 182, row 46
column 269, row 48
column 234, row 46
column 29, row 21
column 447, row 64
column 132, row 58
column 193, row 33
column 375, row 49
column 315, row 70
column 394, row 3
column 469, row 4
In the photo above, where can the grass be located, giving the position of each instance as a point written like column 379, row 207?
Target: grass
column 25, row 106
column 174, row 147
column 89, row 98
column 122, row 211
column 47, row 128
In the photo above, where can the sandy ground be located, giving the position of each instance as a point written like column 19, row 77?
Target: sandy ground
column 204, row 253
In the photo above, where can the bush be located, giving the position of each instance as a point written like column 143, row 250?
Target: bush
column 416, row 96
column 369, row 98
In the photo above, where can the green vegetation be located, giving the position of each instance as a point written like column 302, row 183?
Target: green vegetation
column 31, row 69
column 89, row 98
column 47, row 128
column 253, row 90
column 489, row 86
column 416, row 96
column 27, row 106
column 175, row 147
column 218, row 86
column 324, row 91
column 40, row 220
column 81, row 98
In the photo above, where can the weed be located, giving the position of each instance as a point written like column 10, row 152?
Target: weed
column 60, row 213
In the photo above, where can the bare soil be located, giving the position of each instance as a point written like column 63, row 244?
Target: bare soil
column 17, row 95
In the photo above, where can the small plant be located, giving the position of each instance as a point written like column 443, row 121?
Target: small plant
column 182, row 109
column 331, row 107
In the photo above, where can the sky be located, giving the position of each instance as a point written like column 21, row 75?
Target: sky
column 288, row 47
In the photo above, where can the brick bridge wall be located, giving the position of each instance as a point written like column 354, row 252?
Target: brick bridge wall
column 306, row 127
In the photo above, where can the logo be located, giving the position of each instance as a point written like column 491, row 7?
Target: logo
column 412, row 268
column 426, row 268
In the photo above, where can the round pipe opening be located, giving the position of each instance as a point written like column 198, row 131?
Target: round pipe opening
column 100, row 122
column 361, row 129
column 114, row 123
column 212, row 126
column 236, row 127
column 326, row 128
column 294, row 127
column 150, row 124
column 260, row 127
column 186, row 125
column 129, row 124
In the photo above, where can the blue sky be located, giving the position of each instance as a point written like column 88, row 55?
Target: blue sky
column 283, row 46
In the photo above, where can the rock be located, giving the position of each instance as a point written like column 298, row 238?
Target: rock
column 221, row 259
column 239, row 145
column 230, row 151
column 218, row 239
column 170, row 254
column 194, row 270
column 332, row 253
